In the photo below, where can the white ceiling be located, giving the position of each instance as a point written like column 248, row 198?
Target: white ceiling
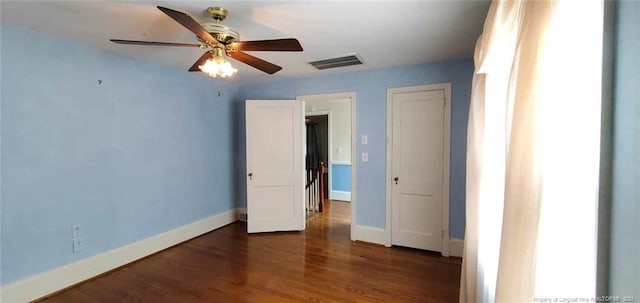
column 384, row 33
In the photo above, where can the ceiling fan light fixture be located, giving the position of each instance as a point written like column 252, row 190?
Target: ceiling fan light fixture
column 218, row 66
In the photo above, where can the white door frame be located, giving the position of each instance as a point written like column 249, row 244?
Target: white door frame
column 329, row 146
column 352, row 96
column 446, row 87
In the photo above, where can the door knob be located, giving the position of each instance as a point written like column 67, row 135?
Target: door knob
column 250, row 176
column 396, row 179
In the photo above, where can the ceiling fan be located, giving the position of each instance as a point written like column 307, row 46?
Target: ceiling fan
column 220, row 42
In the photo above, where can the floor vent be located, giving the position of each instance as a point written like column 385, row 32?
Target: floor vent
column 242, row 216
column 348, row 60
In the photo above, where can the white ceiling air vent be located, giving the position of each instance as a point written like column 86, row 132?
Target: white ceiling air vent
column 348, row 60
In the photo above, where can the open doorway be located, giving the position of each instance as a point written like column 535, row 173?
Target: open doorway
column 330, row 128
column 317, row 126
column 316, row 155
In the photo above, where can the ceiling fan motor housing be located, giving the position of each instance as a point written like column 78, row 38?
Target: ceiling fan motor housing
column 223, row 34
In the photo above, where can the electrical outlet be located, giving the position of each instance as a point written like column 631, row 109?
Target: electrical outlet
column 364, row 139
column 76, row 230
column 77, row 244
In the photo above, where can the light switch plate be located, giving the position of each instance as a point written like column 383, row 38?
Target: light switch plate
column 365, row 157
column 364, row 139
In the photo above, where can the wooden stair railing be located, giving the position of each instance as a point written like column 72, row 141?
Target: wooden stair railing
column 314, row 189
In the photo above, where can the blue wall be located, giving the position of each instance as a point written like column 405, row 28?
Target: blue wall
column 341, row 177
column 151, row 148
column 625, row 226
column 371, row 93
column 142, row 153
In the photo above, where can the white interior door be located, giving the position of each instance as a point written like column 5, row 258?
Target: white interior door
column 417, row 168
column 275, row 171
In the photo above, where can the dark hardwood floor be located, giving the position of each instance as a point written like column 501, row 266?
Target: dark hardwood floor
column 320, row 264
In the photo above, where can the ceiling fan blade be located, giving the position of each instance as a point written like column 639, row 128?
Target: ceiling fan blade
column 258, row 63
column 118, row 41
column 195, row 67
column 189, row 23
column 276, row 45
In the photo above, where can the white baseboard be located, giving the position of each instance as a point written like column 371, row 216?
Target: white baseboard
column 43, row 284
column 379, row 236
column 456, row 246
column 371, row 235
column 340, row 195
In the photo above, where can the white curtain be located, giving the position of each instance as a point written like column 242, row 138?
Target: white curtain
column 533, row 153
